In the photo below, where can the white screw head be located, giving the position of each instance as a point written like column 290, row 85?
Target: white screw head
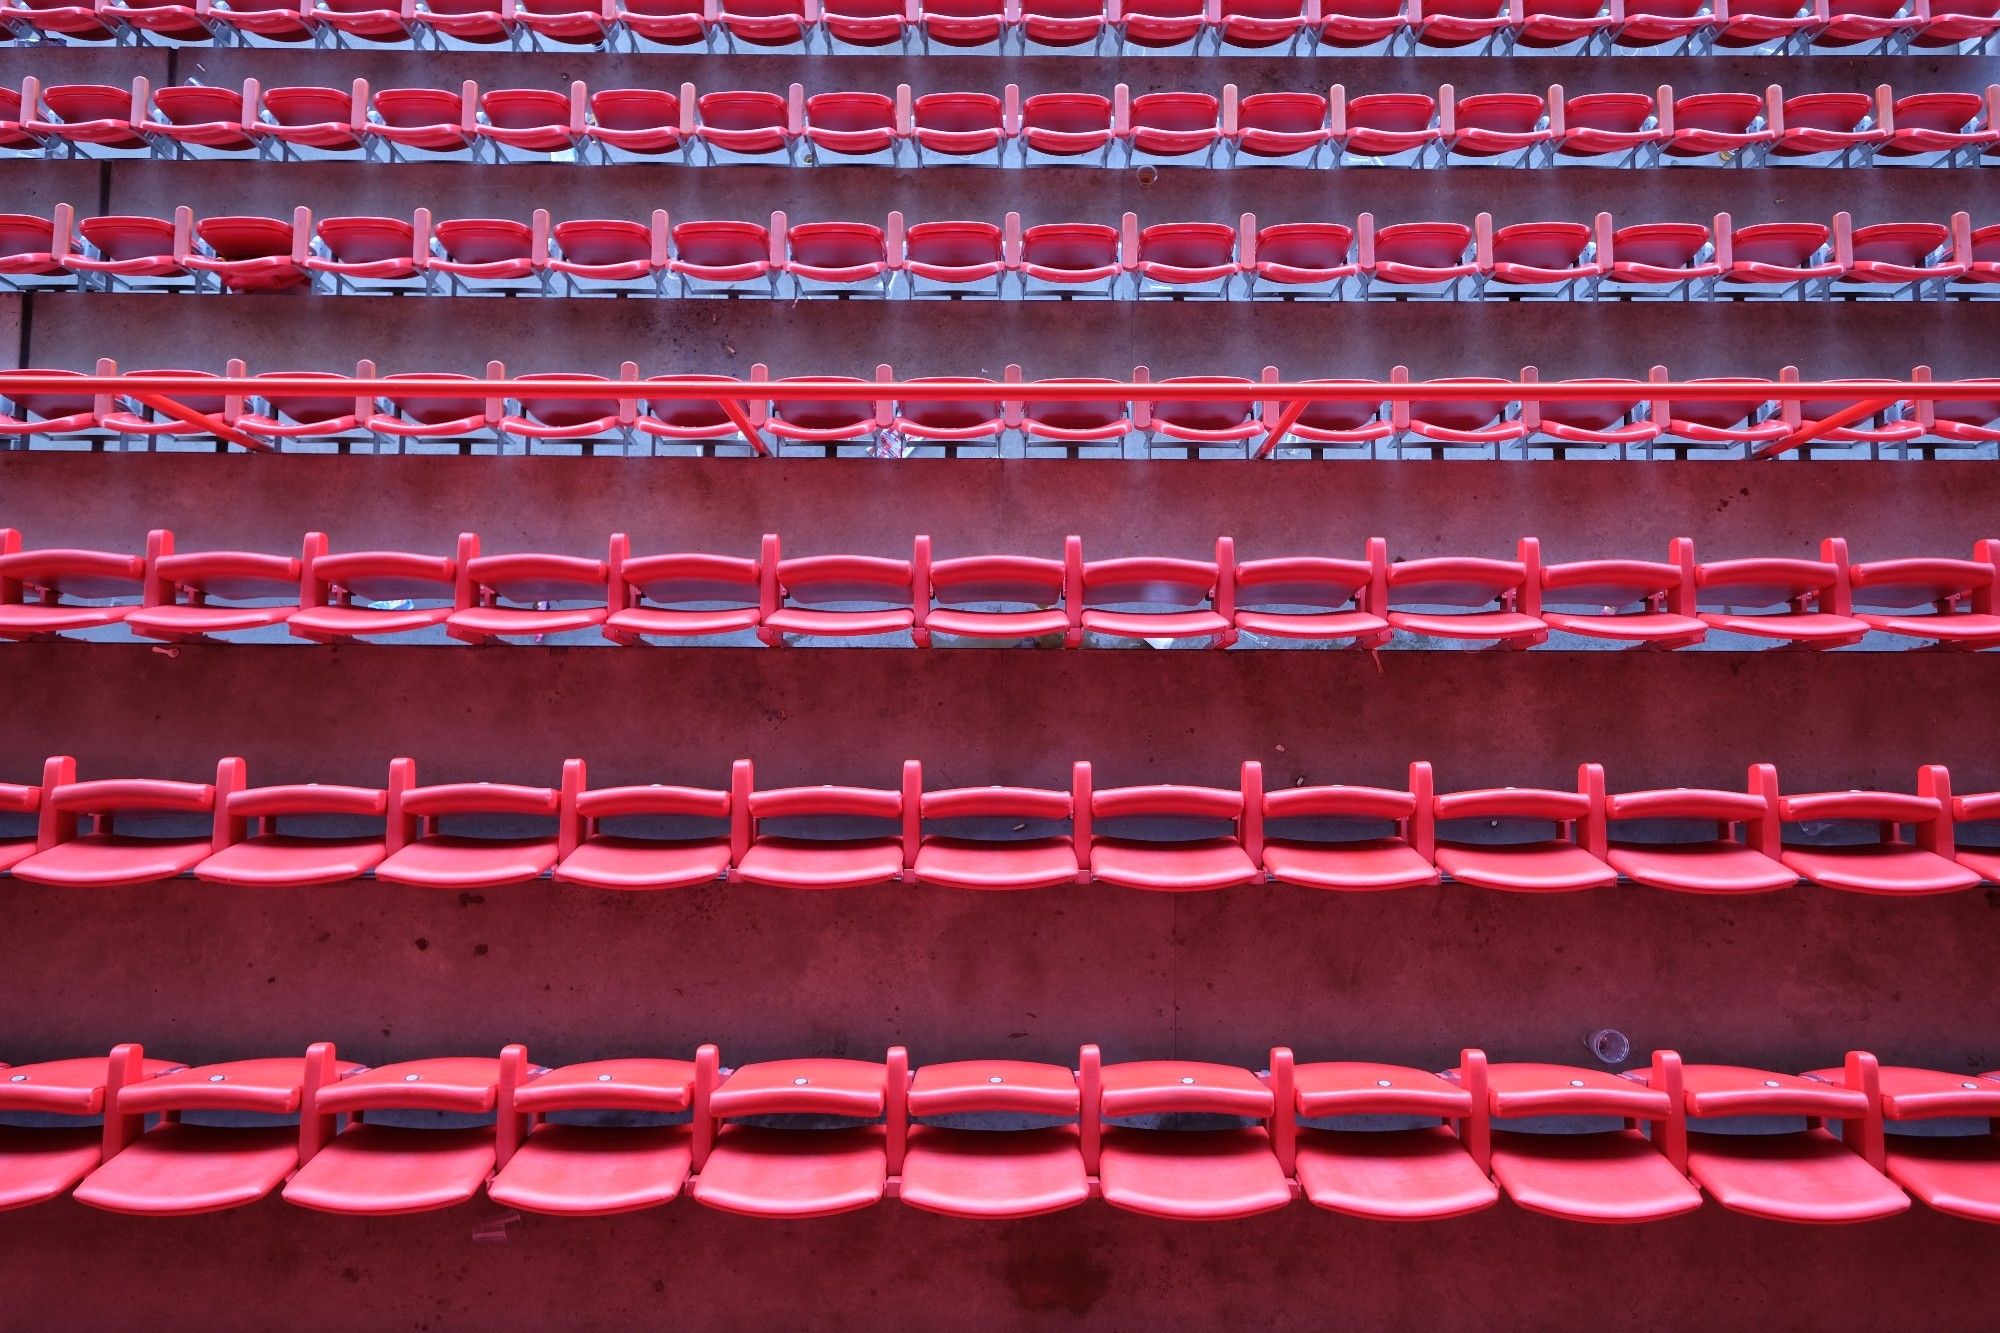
column 23, row 1078
column 1381, row 1082
column 1187, row 1080
column 1770, row 1083
column 798, row 1082
column 1576, row 1083
column 215, row 1078
column 996, row 1079
column 1969, row 1085
column 411, row 1078
column 604, row 1078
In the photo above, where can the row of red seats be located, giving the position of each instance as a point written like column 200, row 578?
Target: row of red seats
column 332, row 597
column 1750, row 414
column 1567, row 260
column 1643, row 1145
column 972, row 838
column 1329, row 27
column 1275, row 129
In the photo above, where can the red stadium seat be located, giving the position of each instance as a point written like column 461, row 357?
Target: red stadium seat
column 986, row 1174
column 639, row 123
column 1571, row 860
column 1417, row 1174
column 960, row 125
column 765, row 1172
column 1187, row 864
column 567, row 418
column 1503, row 598
column 1004, row 597
column 422, row 855
column 92, row 119
column 1813, row 596
column 1938, row 127
column 1632, row 601
column 1740, row 858
column 1957, row 1174
column 857, row 126
column 249, row 254
column 680, row 595
column 429, row 122
column 1400, row 859
column 491, row 256
column 968, row 420
column 1805, row 1175
column 1889, row 865
column 1062, row 25
column 1455, row 25
column 178, row 1169
column 108, row 856
column 836, row 258
column 1434, row 260
column 1066, row 258
column 858, row 859
column 750, row 126
column 964, row 25
column 728, row 258
column 1262, row 25
column 966, row 861
column 1960, row 595
column 531, row 124
column 1149, row 597
column 525, row 595
column 1074, row 423
column 1206, row 1175
column 839, row 596
column 1566, row 26
column 1614, row 129
column 1181, row 259
column 595, row 858
column 1354, row 27
column 1496, row 129
column 1316, row 597
column 672, row 25
column 1174, row 127
column 191, row 595
column 200, row 121
column 1607, row 1175
column 572, row 1170
column 311, row 121
column 42, row 1163
column 373, row 1169
column 1061, row 128
column 58, row 590
column 1560, row 260
column 252, row 852
column 1281, row 129
column 1380, row 128
column 863, row 25
column 1584, row 423
column 355, row 594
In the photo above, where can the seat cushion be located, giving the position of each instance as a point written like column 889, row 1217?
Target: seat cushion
column 1155, row 624
column 1873, row 868
column 1549, row 866
column 971, row 863
column 37, row 1165
column 445, row 861
column 1205, row 1175
column 1959, row 1175
column 794, row 1172
column 375, row 1170
column 1699, row 867
column 1370, row 863
column 586, row 1171
column 107, row 861
column 981, row 1173
column 277, row 860
column 1209, row 863
column 1616, row 1176
column 611, row 862
column 1803, row 1177
column 1405, row 1175
column 180, row 1170
column 807, row 863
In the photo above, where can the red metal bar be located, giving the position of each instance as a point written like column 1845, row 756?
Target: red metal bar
column 733, row 409
column 1812, row 430
column 1294, row 409
column 1541, row 391
column 187, row 416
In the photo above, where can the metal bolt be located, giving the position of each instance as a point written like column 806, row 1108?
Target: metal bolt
column 1187, row 1080
column 604, row 1078
column 23, row 1078
column 1381, row 1082
column 1576, row 1083
column 411, row 1078
column 215, row 1078
column 996, row 1079
column 1770, row 1083
column 798, row 1082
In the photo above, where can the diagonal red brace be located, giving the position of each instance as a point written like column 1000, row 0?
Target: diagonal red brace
column 187, row 416
column 1811, row 431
